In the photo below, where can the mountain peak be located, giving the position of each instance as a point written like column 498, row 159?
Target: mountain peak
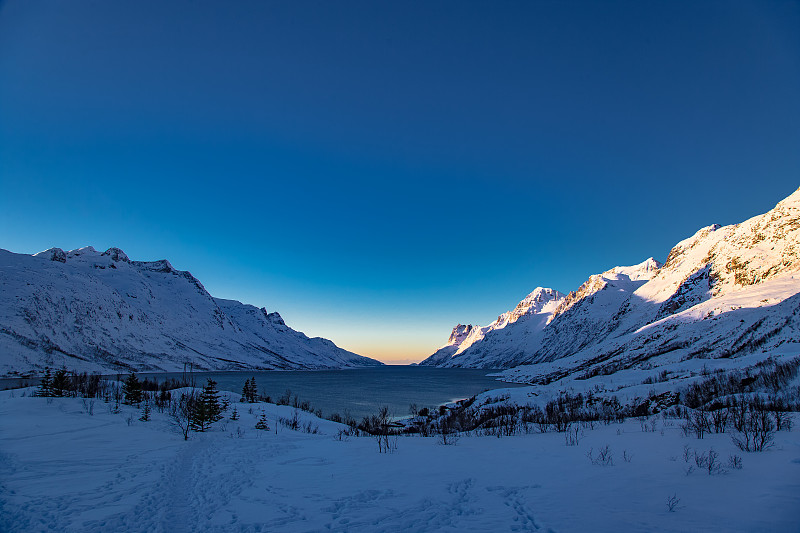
column 535, row 301
column 116, row 255
column 459, row 333
column 141, row 316
column 53, row 254
column 86, row 250
column 643, row 271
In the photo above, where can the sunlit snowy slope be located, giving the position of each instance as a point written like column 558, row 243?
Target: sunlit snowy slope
column 101, row 311
column 722, row 293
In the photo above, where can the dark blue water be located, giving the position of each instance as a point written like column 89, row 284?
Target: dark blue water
column 361, row 392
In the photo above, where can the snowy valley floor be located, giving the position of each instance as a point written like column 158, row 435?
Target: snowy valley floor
column 62, row 469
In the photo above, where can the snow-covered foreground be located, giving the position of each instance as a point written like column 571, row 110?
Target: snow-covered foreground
column 62, row 469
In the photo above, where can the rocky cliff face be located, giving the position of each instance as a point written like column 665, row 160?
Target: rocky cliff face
column 101, row 311
column 724, row 292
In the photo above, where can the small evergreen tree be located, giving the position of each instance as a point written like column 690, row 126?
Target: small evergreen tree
column 60, row 382
column 250, row 391
column 145, row 413
column 46, row 385
column 246, row 391
column 253, row 390
column 235, row 414
column 132, row 389
column 208, row 409
column 262, row 423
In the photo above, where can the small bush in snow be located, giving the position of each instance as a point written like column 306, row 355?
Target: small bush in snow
column 735, row 462
column 626, row 456
column 604, row 456
column 292, row 422
column 713, row 465
column 447, row 437
column 672, row 503
column 700, row 460
column 572, row 435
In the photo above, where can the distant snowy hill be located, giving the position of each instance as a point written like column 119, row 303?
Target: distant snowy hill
column 101, row 311
column 722, row 293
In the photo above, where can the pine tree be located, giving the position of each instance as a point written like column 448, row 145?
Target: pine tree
column 246, row 391
column 250, row 390
column 60, row 382
column 253, row 390
column 235, row 414
column 208, row 409
column 145, row 413
column 262, row 422
column 46, row 385
column 132, row 390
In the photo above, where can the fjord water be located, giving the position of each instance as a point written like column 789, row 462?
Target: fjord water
column 361, row 392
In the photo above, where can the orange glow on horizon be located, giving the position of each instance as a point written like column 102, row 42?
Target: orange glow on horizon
column 392, row 355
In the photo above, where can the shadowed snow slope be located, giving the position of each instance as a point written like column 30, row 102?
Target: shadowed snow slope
column 101, row 311
column 722, row 293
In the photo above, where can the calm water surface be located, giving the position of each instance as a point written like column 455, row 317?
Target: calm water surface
column 361, row 392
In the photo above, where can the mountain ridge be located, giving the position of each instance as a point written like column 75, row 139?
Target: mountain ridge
column 103, row 311
column 603, row 322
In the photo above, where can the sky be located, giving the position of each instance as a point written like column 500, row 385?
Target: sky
column 378, row 172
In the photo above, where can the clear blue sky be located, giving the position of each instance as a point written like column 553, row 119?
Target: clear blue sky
column 380, row 171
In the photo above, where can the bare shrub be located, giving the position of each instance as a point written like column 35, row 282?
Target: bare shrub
column 713, row 465
column 604, row 456
column 88, row 406
column 181, row 413
column 627, row 457
column 700, row 460
column 572, row 435
column 292, row 422
column 735, row 462
column 672, row 503
column 756, row 429
column 687, row 453
column 447, row 435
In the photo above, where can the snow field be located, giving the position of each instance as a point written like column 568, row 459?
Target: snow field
column 64, row 470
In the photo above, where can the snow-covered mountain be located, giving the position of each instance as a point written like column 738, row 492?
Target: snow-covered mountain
column 725, row 292
column 470, row 345
column 101, row 311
